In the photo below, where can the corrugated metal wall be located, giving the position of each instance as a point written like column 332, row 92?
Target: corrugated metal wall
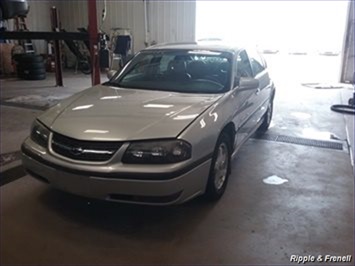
column 172, row 21
column 125, row 14
column 73, row 14
column 39, row 19
column 348, row 55
column 169, row 21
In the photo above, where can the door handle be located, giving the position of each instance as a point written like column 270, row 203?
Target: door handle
column 257, row 91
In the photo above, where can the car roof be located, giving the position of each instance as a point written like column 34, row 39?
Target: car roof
column 208, row 46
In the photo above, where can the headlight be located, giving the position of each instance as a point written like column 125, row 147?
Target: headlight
column 39, row 134
column 157, row 152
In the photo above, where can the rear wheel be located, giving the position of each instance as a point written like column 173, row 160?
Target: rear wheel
column 220, row 168
column 267, row 117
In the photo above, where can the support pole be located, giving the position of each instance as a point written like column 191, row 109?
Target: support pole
column 93, row 37
column 57, row 51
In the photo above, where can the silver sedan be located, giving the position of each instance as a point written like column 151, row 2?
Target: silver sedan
column 161, row 131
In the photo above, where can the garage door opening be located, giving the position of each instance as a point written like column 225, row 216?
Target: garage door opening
column 307, row 35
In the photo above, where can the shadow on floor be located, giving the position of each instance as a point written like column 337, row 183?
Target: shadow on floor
column 135, row 221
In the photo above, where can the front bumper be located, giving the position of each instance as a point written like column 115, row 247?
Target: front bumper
column 161, row 189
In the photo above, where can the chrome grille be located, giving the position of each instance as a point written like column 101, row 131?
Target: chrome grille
column 93, row 151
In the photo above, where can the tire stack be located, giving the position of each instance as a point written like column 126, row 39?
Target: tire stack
column 30, row 67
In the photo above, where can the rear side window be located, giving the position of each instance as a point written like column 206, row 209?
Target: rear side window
column 257, row 63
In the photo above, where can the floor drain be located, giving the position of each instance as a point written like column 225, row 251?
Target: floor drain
column 335, row 145
column 323, row 86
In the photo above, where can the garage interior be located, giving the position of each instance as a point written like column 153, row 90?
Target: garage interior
column 291, row 191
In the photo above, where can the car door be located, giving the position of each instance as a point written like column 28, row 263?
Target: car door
column 245, row 100
column 264, row 91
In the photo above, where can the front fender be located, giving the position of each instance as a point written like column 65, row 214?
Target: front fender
column 205, row 130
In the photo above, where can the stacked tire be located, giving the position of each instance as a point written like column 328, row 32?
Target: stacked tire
column 30, row 67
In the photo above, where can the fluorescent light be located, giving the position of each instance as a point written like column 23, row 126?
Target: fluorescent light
column 170, row 113
column 81, row 107
column 204, row 52
column 150, row 105
column 185, row 117
column 96, row 131
column 110, row 97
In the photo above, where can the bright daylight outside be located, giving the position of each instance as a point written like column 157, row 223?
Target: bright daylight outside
column 306, row 34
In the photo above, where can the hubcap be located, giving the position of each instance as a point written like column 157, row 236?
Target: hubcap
column 221, row 166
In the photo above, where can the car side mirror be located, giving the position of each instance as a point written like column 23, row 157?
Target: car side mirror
column 111, row 73
column 248, row 83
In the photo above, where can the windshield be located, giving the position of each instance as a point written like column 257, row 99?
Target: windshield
column 178, row 71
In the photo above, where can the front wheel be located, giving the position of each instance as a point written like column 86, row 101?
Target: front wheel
column 267, row 117
column 220, row 168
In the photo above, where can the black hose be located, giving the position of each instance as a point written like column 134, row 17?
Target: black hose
column 344, row 109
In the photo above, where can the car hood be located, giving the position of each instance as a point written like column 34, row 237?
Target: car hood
column 111, row 113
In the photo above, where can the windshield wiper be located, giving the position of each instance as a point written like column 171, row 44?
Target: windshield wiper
column 109, row 83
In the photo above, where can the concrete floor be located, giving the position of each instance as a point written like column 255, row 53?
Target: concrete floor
column 254, row 223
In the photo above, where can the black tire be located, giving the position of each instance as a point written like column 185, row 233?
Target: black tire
column 29, row 58
column 29, row 70
column 217, row 185
column 33, row 65
column 32, row 77
column 267, row 117
column 32, row 72
column 85, row 67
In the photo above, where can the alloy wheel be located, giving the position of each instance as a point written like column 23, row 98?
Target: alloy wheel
column 221, row 166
